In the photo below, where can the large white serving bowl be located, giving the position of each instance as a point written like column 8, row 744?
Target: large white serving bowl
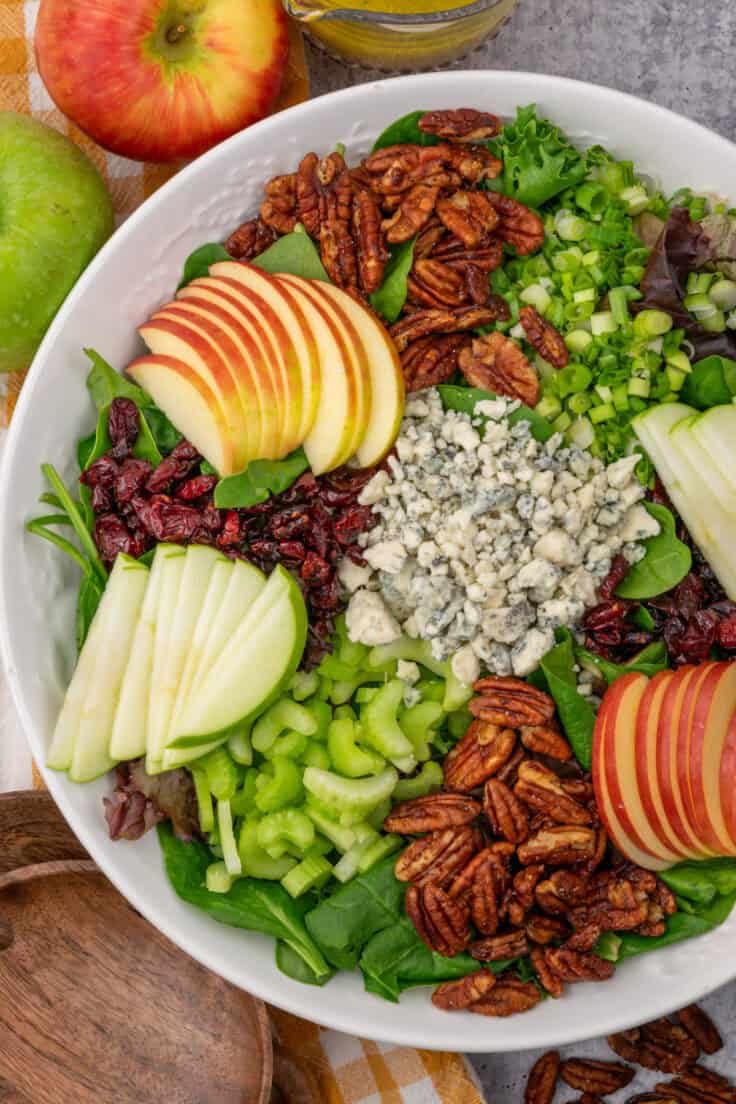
column 133, row 274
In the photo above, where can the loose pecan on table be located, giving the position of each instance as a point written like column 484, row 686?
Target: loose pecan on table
column 478, row 756
column 600, row 1078
column 701, row 1027
column 653, row 1047
column 440, row 922
column 495, row 362
column 700, row 1086
column 454, row 996
column 436, row 858
column 431, row 813
column 504, row 700
column 461, row 124
column 542, row 336
column 509, row 997
column 542, row 1080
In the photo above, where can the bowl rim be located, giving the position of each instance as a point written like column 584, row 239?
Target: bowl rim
column 566, row 1030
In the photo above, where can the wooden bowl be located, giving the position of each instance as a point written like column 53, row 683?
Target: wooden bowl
column 96, row 1004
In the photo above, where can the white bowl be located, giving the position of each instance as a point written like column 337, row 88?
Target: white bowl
column 133, row 274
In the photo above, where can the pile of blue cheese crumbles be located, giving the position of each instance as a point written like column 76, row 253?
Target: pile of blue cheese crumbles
column 487, row 540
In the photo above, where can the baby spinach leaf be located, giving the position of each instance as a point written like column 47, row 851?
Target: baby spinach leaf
column 342, row 923
column 166, row 435
column 85, row 447
column 703, row 881
column 198, row 263
column 405, row 129
column 396, row 959
column 577, row 714
column 539, row 162
column 648, row 661
column 642, row 618
column 105, row 384
column 88, row 599
column 712, row 382
column 390, row 298
column 259, row 481
column 465, row 399
column 251, row 903
column 295, row 254
column 683, row 925
column 294, row 966
column 666, row 563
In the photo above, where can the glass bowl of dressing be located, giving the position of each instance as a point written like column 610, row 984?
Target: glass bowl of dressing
column 403, row 35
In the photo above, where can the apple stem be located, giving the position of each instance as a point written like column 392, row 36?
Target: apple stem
column 176, row 33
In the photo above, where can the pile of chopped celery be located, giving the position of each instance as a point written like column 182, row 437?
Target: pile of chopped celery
column 301, row 796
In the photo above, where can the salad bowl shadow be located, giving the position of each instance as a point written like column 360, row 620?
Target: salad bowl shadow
column 131, row 277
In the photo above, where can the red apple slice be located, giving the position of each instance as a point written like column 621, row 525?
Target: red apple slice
column 165, row 337
column 190, row 403
column 301, row 360
column 625, row 693
column 712, row 714
column 667, row 760
column 727, row 778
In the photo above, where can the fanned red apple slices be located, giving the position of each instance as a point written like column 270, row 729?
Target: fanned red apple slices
column 664, row 759
column 250, row 366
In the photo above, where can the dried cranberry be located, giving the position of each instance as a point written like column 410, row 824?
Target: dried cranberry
column 263, row 549
column 112, row 536
column 196, row 487
column 619, row 569
column 315, row 570
column 168, row 521
column 659, row 494
column 230, row 533
column 691, row 641
column 293, row 551
column 102, row 499
column 688, row 596
column 130, row 479
column 123, row 425
column 287, row 525
column 100, row 474
column 180, row 463
column 212, row 519
column 726, row 634
column 352, row 523
column 326, row 597
column 606, row 615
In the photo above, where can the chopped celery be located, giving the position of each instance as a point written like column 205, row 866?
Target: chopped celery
column 316, row 755
column 351, row 653
column 310, row 873
column 240, row 748
column 679, row 360
column 426, row 781
column 256, row 862
column 365, row 694
column 675, row 377
column 283, row 714
column 374, row 852
column 431, row 690
column 321, row 846
column 243, row 803
column 322, row 714
column 227, row 838
column 349, row 796
column 325, row 688
column 333, row 668
column 292, row 745
column 222, row 773
column 417, row 722
column 340, row 836
column 380, row 722
column 344, row 689
column 205, row 808
column 458, row 722
column 347, row 758
column 349, row 864
column 303, row 684
column 217, row 879
column 344, row 712
column 278, row 785
column 377, row 816
column 289, row 830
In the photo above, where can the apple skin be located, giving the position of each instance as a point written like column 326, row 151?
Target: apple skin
column 667, row 764
column 156, row 80
column 712, row 715
column 56, row 213
column 645, row 753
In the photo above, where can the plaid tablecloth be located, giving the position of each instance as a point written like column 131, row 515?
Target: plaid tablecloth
column 335, row 1068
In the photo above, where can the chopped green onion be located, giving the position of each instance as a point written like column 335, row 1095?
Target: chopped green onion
column 568, row 260
column 723, row 294
column 652, row 323
column 573, row 378
column 639, row 387
column 581, row 433
column 603, row 392
column 635, row 198
column 217, row 879
column 537, row 296
column 579, row 403
column 699, row 282
column 602, row 323
column 548, row 407
column 591, row 258
column 592, row 197
column 562, row 422
column 578, row 341
column 714, row 323
column 621, row 397
column 675, row 377
column 680, row 360
column 568, row 226
column 587, row 295
column 601, row 413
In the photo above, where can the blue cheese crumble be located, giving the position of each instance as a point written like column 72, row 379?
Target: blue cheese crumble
column 487, row 540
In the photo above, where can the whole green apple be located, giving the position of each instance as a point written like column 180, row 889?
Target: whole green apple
column 55, row 213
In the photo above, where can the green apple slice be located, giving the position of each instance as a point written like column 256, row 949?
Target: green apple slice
column 169, row 559
column 118, row 614
column 121, row 583
column 255, row 665
column 715, row 432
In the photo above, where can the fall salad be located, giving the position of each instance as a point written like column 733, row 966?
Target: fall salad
column 407, row 609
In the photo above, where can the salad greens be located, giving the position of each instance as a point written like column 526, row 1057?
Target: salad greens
column 295, row 254
column 390, row 298
column 666, row 562
column 712, row 382
column 577, row 714
column 406, row 129
column 259, row 481
column 198, row 263
column 465, row 400
column 649, row 661
column 539, row 162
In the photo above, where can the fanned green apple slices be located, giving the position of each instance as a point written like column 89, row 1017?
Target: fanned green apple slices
column 175, row 658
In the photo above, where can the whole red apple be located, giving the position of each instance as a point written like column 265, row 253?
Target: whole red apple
column 158, row 80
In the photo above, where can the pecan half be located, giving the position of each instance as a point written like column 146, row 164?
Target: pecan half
column 436, row 858
column 676, row 1048
column 250, row 239
column 542, row 1080
column 412, row 215
column 561, row 846
column 652, row 1098
column 336, row 243
column 462, row 887
column 540, row 788
column 489, row 883
column 487, row 256
column 395, row 169
column 576, row 966
column 699, row 1024
column 278, row 210
column 496, row 363
column 542, row 336
column 439, row 921
column 315, row 180
column 546, row 739
column 518, row 225
column 546, row 929
column 434, row 284
column 473, row 164
column 431, row 814
column 505, row 700
column 428, row 238
column 508, row 997
column 442, row 321
column 467, row 215
column 699, row 1085
column 600, row 1078
column 584, row 939
column 495, row 948
column 476, row 283
column 478, row 756
column 510, row 770
column 372, row 252
column 431, row 360
column 520, row 899
column 549, row 979
column 461, row 124
column 505, row 812
column 454, row 996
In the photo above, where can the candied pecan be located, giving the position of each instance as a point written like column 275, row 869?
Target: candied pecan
column 485, row 894
column 505, row 813
column 496, row 363
column 592, row 1076
column 250, row 239
column 434, row 284
column 505, row 700
column 566, row 886
column 560, row 846
column 397, row 168
column 664, row 897
column 461, row 124
column 542, row 336
column 467, row 215
column 578, row 788
column 487, row 256
column 542, row 1080
column 473, row 163
column 698, row 1024
column 412, row 215
column 454, row 996
column 510, row 770
column 278, row 210
column 617, row 914
column 520, row 899
column 372, row 252
column 472, row 317
column 336, row 243
column 652, row 1098
column 678, row 1049
column 585, row 938
column 540, row 788
column 440, row 321
column 439, row 921
column 546, row 739
column 476, row 283
column 578, row 966
column 431, row 814
column 545, row 929
column 601, row 846
column 431, row 360
column 436, row 857
column 699, row 1085
column 549, row 979
column 428, row 238
column 518, row 225
column 480, row 753
column 315, row 179
column 496, row 948
column 508, row 997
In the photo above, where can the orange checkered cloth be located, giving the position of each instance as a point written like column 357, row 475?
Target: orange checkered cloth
column 327, row 1066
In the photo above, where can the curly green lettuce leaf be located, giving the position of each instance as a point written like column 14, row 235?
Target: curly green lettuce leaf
column 539, row 162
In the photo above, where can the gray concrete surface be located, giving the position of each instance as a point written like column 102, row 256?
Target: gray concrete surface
column 678, row 53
